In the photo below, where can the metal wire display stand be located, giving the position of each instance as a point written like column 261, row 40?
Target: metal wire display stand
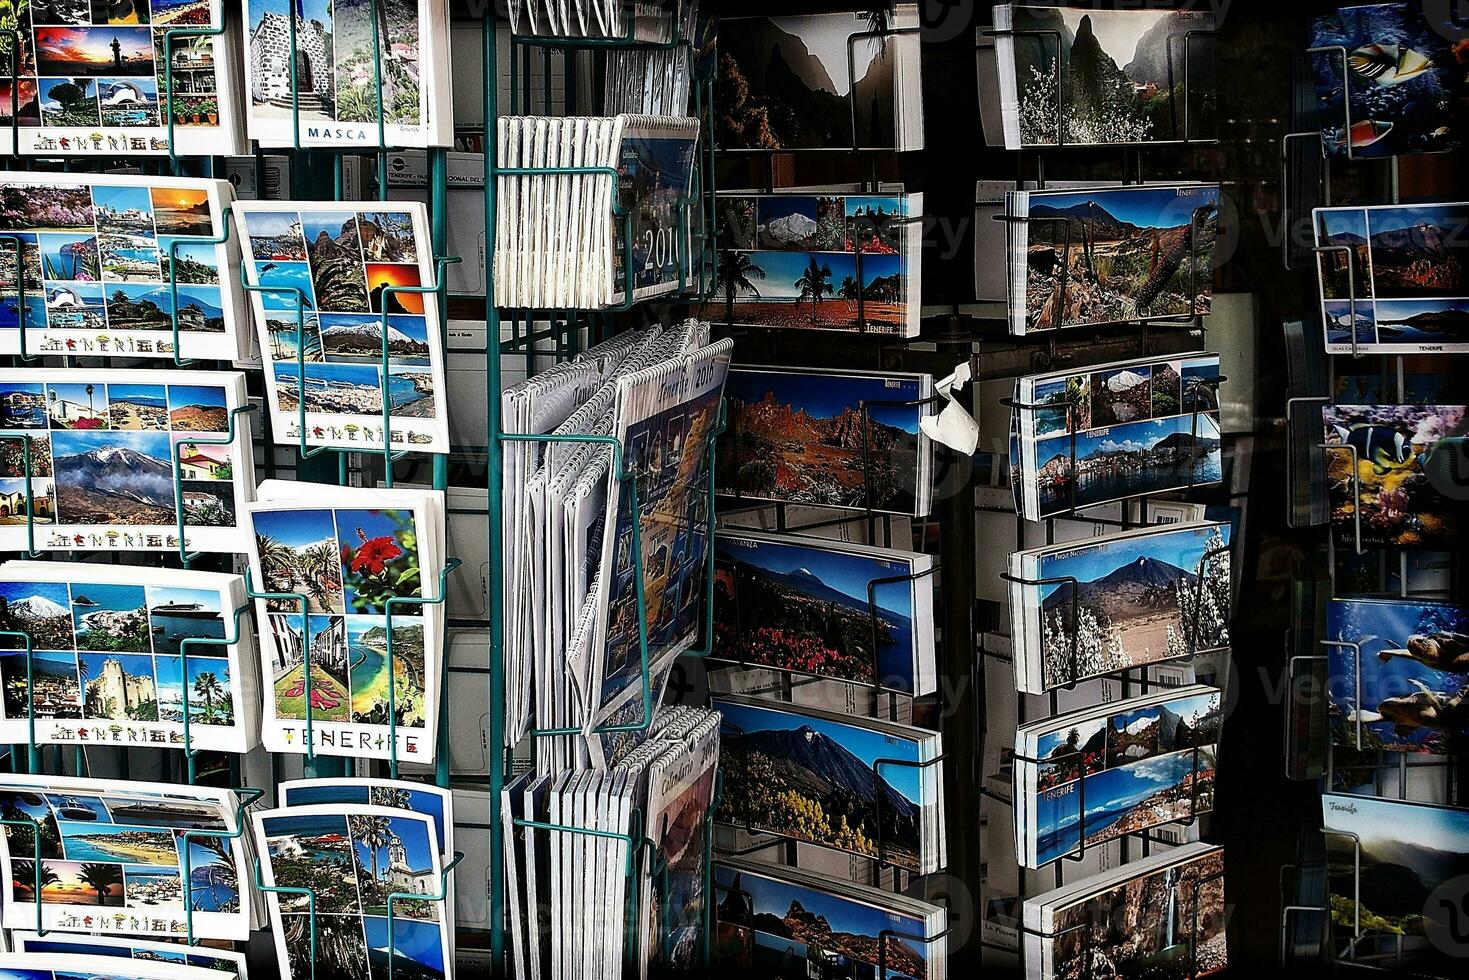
column 1357, row 949
column 1048, row 354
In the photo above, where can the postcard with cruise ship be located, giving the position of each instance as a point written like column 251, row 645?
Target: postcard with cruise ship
column 120, row 653
column 123, row 858
column 342, row 313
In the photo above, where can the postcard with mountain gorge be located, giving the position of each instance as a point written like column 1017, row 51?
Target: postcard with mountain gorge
column 1128, row 75
column 1407, row 267
column 114, row 265
column 1398, row 675
column 1390, row 79
column 113, row 860
column 343, row 293
column 1115, row 255
column 102, row 449
column 768, row 926
column 811, row 779
column 1386, row 879
column 1136, row 601
column 798, row 436
column 352, row 862
column 1390, row 474
column 108, row 663
column 92, row 78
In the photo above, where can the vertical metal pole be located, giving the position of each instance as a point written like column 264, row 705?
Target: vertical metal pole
column 438, row 163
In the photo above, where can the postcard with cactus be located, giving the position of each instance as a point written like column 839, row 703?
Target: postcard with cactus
column 118, row 266
column 106, row 78
column 120, row 656
column 124, row 858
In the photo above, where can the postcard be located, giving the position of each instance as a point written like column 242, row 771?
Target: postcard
column 120, row 653
column 93, row 80
column 1384, row 878
column 1120, row 602
column 819, row 262
column 333, row 688
column 333, row 304
column 796, row 435
column 82, row 961
column 837, row 81
column 813, row 776
column 1385, row 467
column 1121, row 76
column 104, row 447
column 115, row 857
column 1408, row 272
column 225, row 961
column 1397, row 671
column 399, row 794
column 352, row 858
column 1111, row 255
column 1387, row 77
column 113, row 263
column 364, row 74
column 1137, row 759
column 785, row 923
column 823, row 608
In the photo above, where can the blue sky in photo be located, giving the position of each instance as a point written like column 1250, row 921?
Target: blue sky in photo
column 1403, row 309
column 133, row 664
column 1146, row 207
column 205, row 297
column 868, row 201
column 87, row 85
column 24, row 801
column 874, row 266
column 1437, row 828
column 155, row 396
column 352, row 374
column 296, row 528
column 182, row 396
column 169, row 671
column 77, row 395
column 1134, row 436
column 71, row 443
column 271, row 224
column 866, row 745
column 288, row 277
column 28, row 387
column 189, row 248
column 309, row 825
column 54, row 591
column 1453, row 217
column 313, row 223
column 218, row 666
column 1051, row 741
column 770, row 895
column 826, row 396
column 117, row 598
column 1183, row 549
column 845, row 573
column 412, row 939
column 1346, row 221
column 418, row 844
column 773, row 208
column 123, row 198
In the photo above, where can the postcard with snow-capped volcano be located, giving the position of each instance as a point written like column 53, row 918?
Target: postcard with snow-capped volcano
column 111, row 460
column 348, row 323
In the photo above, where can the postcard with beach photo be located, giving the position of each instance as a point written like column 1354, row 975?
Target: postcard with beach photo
column 124, row 858
column 352, row 858
column 120, row 653
column 103, row 448
column 337, row 291
column 113, row 266
column 92, row 79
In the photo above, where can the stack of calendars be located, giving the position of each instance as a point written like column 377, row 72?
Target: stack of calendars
column 350, row 618
column 121, row 857
column 588, row 898
column 1153, row 911
column 638, row 21
column 654, row 81
column 1110, row 255
column 582, row 240
column 1087, row 777
column 1117, row 603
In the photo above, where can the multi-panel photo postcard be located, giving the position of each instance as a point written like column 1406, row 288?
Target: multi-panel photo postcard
column 1118, row 430
column 1386, row 75
column 1118, row 603
column 1408, row 272
column 92, row 79
column 1131, row 75
column 111, row 660
column 808, row 775
column 1146, row 761
column 1396, row 671
column 825, row 608
column 1111, row 255
column 1386, row 861
column 351, row 858
column 114, row 856
column 333, row 275
column 1378, row 464
column 225, row 961
column 85, row 964
column 349, row 563
column 790, row 925
column 104, row 447
column 366, row 74
column 113, row 263
column 795, row 435
column 804, row 82
column 837, row 261
column 1163, row 917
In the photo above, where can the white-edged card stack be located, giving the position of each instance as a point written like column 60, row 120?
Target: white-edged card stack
column 581, row 240
column 361, row 676
column 654, row 81
column 640, row 21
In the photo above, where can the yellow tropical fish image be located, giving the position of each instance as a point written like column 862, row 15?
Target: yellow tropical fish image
column 1388, row 64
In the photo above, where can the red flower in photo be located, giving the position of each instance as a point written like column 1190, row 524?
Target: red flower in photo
column 374, row 555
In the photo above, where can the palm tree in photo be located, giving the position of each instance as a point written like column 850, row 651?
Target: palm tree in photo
column 373, row 833
column 814, row 284
column 849, row 289
column 323, row 568
column 736, row 271
column 25, row 876
column 101, row 878
column 207, row 686
column 90, row 389
column 277, row 561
